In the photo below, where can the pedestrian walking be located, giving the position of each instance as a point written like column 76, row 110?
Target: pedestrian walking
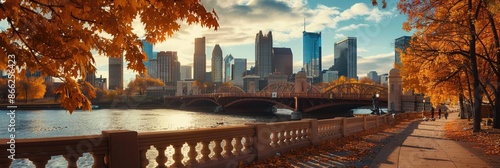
column 432, row 113
column 439, row 113
column 446, row 114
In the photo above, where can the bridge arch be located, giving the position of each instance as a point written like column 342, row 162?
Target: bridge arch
column 247, row 100
column 288, row 87
column 230, row 89
column 203, row 100
column 356, row 88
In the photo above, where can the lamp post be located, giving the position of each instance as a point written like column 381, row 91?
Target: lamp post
column 424, row 105
column 376, row 109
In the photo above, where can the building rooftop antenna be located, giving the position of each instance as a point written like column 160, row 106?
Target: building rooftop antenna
column 304, row 24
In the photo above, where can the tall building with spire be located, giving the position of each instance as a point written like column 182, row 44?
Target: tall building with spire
column 264, row 54
column 217, row 64
column 200, row 62
column 115, row 73
column 311, row 45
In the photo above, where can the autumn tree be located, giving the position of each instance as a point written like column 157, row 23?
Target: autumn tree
column 140, row 84
column 366, row 80
column 29, row 88
column 58, row 37
column 451, row 47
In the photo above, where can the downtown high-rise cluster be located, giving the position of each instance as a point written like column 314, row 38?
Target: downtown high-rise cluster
column 269, row 62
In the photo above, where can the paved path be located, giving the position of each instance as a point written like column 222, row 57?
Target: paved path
column 422, row 144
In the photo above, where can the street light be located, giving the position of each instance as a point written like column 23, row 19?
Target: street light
column 424, row 105
column 375, row 104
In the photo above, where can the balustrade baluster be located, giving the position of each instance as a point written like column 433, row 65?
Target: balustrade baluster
column 288, row 137
column 177, row 157
column 275, row 140
column 71, row 159
column 228, row 148
column 217, row 150
column 143, row 159
column 40, row 162
column 248, row 145
column 192, row 154
column 293, row 135
column 161, row 159
column 237, row 146
column 298, row 134
column 205, row 151
column 98, row 159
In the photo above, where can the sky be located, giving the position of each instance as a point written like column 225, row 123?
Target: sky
column 240, row 21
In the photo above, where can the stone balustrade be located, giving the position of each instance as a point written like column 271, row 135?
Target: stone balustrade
column 224, row 146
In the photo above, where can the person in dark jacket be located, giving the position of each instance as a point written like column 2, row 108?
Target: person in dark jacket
column 439, row 113
column 432, row 112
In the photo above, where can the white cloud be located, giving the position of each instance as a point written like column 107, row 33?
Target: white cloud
column 339, row 36
column 361, row 50
column 351, row 27
column 382, row 63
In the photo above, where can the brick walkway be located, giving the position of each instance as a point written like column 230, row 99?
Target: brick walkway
column 423, row 144
column 413, row 144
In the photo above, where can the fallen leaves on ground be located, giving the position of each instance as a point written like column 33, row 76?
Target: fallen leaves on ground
column 345, row 150
column 488, row 139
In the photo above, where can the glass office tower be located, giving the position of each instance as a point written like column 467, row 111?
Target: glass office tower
column 312, row 55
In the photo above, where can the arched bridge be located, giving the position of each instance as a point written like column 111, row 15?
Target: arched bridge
column 312, row 99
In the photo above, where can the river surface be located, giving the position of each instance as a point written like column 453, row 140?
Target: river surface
column 57, row 123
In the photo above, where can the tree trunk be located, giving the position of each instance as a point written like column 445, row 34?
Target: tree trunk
column 462, row 109
column 496, row 111
column 475, row 75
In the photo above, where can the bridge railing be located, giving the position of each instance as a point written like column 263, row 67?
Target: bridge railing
column 289, row 95
column 224, row 146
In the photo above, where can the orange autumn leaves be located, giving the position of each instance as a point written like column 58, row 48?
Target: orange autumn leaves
column 60, row 38
column 488, row 139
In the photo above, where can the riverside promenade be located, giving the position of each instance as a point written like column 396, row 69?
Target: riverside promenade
column 405, row 144
column 423, row 144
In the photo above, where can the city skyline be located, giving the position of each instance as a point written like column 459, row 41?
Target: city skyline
column 375, row 29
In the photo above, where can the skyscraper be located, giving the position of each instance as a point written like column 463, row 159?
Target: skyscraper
column 346, row 58
column 373, row 76
column 186, row 72
column 264, row 54
column 238, row 69
column 115, row 73
column 153, row 68
column 400, row 43
column 217, row 64
column 328, row 76
column 283, row 61
column 148, row 49
column 227, row 67
column 168, row 67
column 312, row 55
column 91, row 78
column 200, row 62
